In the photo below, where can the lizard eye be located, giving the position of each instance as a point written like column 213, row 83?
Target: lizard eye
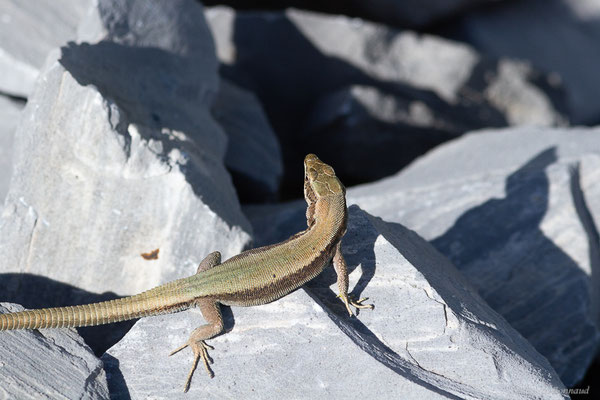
column 312, row 173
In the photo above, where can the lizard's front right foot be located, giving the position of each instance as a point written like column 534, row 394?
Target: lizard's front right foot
column 349, row 301
column 200, row 349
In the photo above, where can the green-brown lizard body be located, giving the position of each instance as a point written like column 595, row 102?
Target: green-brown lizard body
column 254, row 277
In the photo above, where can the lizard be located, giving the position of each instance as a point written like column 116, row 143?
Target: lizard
column 253, row 277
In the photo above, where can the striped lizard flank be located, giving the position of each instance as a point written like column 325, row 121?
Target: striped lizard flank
column 254, row 277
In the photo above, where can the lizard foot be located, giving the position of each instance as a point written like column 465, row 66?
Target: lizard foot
column 349, row 301
column 200, row 349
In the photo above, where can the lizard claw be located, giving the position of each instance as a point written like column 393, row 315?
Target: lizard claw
column 200, row 349
column 349, row 301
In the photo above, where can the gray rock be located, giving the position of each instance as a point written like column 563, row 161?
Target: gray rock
column 429, row 336
column 318, row 64
column 10, row 112
column 50, row 363
column 569, row 49
column 361, row 51
column 514, row 211
column 253, row 153
column 28, row 31
column 411, row 12
column 363, row 125
column 176, row 26
column 117, row 155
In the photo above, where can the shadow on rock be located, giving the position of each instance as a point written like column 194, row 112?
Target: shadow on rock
column 541, row 291
column 357, row 331
column 158, row 91
column 117, row 387
column 99, row 338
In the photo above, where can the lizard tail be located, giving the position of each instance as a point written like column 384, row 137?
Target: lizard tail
column 163, row 299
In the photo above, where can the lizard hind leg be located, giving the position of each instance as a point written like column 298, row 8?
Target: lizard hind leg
column 212, row 313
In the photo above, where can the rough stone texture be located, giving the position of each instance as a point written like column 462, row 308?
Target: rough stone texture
column 430, row 335
column 570, row 48
column 10, row 112
column 117, row 155
column 413, row 12
column 28, row 31
column 175, row 26
column 253, row 153
column 510, row 209
column 50, row 363
column 313, row 59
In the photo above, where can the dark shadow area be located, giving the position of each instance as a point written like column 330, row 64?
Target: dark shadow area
column 249, row 190
column 588, row 385
column 502, row 251
column 17, row 99
column 157, row 90
column 296, row 78
column 117, row 387
column 23, row 290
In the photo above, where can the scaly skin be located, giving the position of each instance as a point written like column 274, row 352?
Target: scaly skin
column 254, row 277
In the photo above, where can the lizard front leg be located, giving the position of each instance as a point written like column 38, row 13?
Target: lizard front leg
column 211, row 312
column 339, row 264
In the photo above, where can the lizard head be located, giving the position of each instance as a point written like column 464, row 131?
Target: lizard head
column 320, row 180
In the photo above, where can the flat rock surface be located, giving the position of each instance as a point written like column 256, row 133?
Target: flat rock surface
column 29, row 30
column 50, row 363
column 429, row 336
column 516, row 211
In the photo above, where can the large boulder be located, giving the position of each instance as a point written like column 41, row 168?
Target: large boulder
column 515, row 210
column 429, row 336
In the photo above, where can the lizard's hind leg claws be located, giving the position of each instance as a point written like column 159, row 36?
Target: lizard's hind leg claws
column 200, row 349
